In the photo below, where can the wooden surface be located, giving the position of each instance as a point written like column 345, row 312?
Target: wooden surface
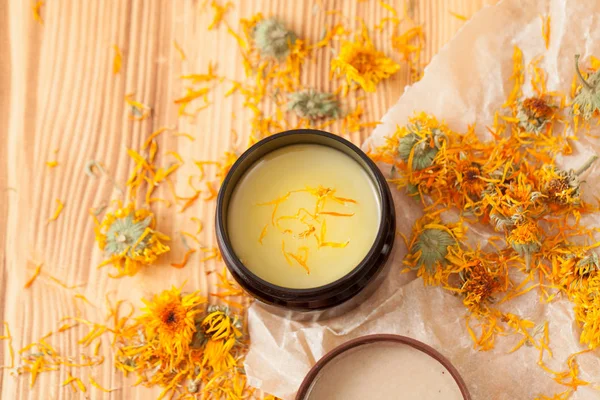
column 59, row 100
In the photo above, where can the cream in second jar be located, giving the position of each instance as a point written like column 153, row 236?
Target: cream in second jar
column 384, row 370
column 303, row 216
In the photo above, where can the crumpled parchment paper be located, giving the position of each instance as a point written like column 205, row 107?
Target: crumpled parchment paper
column 462, row 85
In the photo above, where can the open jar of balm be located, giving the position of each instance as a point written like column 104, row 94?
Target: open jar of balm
column 305, row 222
column 383, row 367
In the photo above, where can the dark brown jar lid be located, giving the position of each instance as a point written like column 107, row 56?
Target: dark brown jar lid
column 334, row 294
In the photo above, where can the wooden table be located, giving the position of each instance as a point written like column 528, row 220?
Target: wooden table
column 60, row 101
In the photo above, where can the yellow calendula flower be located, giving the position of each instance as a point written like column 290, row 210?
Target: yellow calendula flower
column 482, row 276
column 129, row 239
column 587, row 312
column 169, row 322
column 431, row 243
column 222, row 332
column 361, row 63
column 526, row 239
column 534, row 113
column 562, row 187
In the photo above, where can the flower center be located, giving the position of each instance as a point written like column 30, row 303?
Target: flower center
column 537, row 108
column 171, row 317
column 472, row 174
column 363, row 61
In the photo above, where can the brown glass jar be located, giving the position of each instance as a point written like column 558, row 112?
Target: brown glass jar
column 338, row 296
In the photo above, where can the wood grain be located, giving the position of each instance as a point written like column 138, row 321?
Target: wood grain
column 61, row 101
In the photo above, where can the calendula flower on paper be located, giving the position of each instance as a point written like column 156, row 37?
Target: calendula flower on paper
column 560, row 186
column 420, row 140
column 533, row 114
column 573, row 267
column 359, row 62
column 587, row 312
column 513, row 203
column 129, row 239
column 480, row 278
column 587, row 101
column 526, row 240
column 469, row 179
column 169, row 321
column 430, row 245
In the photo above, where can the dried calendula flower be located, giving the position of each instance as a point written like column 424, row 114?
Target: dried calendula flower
column 480, row 279
column 129, row 239
column 573, row 266
column 420, row 143
column 526, row 239
column 560, row 186
column 430, row 245
column 223, row 332
column 273, row 39
column 314, row 105
column 513, row 202
column 588, row 264
column 362, row 64
column 587, row 101
column 587, row 312
column 533, row 114
column 220, row 323
column 433, row 244
column 469, row 179
column 169, row 323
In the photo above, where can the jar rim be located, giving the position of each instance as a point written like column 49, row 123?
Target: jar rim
column 333, row 293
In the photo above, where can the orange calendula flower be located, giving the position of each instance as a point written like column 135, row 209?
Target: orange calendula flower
column 362, row 64
column 222, row 332
column 169, row 322
column 482, row 276
column 512, row 202
column 129, row 239
column 587, row 312
column 429, row 247
column 184, row 347
column 525, row 238
column 587, row 101
column 560, row 186
column 534, row 113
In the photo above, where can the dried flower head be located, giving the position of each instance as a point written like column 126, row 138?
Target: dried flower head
column 480, row 281
column 422, row 142
column 587, row 265
column 360, row 63
column 513, row 202
column 129, row 239
column 184, row 347
column 431, row 247
column 169, row 322
column 220, row 323
column 587, row 101
column 560, row 186
column 526, row 239
column 534, row 113
column 587, row 312
column 469, row 179
column 223, row 331
column 314, row 105
column 572, row 266
column 273, row 39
